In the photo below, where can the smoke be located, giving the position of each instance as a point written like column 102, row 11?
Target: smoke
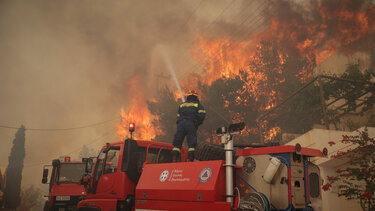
column 67, row 63
column 13, row 174
column 342, row 27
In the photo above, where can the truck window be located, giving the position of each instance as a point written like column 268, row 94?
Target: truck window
column 111, row 160
column 159, row 155
column 70, row 172
column 155, row 155
column 98, row 170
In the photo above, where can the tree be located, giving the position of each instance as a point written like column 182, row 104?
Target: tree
column 226, row 101
column 242, row 97
column 86, row 152
column 165, row 107
column 275, row 71
column 350, row 91
column 14, row 171
column 357, row 181
column 305, row 109
column 31, row 199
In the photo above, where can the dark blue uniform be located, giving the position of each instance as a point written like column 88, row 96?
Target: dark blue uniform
column 190, row 115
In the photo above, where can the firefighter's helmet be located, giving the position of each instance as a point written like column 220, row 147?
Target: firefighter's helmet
column 192, row 92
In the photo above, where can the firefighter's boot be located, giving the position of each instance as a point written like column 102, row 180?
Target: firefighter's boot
column 190, row 156
column 176, row 156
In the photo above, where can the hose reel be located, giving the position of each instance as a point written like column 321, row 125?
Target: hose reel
column 255, row 201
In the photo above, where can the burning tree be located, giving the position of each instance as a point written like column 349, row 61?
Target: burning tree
column 165, row 108
column 358, row 180
column 243, row 78
column 137, row 113
column 14, row 171
column 226, row 101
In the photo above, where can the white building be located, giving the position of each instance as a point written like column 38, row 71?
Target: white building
column 318, row 139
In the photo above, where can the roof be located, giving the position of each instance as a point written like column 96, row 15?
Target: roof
column 320, row 138
column 277, row 150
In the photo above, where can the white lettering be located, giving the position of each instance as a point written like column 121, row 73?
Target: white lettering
column 180, row 179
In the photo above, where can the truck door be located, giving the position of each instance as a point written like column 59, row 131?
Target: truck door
column 105, row 173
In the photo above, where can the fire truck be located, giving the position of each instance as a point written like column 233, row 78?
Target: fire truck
column 253, row 178
column 65, row 190
column 117, row 171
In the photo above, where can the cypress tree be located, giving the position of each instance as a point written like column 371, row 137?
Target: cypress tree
column 13, row 174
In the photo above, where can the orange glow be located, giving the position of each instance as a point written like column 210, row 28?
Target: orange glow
column 222, row 57
column 137, row 113
column 307, row 40
column 313, row 40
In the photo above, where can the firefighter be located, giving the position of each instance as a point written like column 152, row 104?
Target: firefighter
column 190, row 115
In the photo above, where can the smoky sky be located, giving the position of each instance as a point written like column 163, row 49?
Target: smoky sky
column 67, row 63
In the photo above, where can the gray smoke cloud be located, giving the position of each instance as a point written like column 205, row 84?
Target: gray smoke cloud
column 67, row 63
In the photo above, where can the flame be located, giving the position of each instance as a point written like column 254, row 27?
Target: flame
column 222, row 57
column 306, row 38
column 332, row 30
column 137, row 113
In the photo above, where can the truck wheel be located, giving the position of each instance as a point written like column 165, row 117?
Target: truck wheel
column 205, row 151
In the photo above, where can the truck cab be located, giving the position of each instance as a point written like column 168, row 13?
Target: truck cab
column 111, row 185
column 65, row 190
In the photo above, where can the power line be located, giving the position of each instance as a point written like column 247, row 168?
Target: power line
column 188, row 19
column 95, row 140
column 60, row 129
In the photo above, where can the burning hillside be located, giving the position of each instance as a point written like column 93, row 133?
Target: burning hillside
column 273, row 63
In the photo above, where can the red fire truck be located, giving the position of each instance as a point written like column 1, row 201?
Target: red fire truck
column 117, row 171
column 259, row 179
column 65, row 191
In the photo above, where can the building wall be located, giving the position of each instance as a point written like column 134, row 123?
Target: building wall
column 318, row 139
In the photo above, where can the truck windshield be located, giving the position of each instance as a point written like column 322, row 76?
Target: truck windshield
column 71, row 172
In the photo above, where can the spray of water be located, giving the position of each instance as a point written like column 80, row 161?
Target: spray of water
column 168, row 62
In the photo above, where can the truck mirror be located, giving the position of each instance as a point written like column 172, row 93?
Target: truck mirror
column 56, row 163
column 89, row 165
column 45, row 176
column 44, row 180
column 130, row 160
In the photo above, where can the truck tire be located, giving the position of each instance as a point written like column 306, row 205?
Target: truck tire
column 205, row 151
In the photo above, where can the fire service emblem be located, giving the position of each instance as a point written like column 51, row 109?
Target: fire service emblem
column 205, row 175
column 164, row 175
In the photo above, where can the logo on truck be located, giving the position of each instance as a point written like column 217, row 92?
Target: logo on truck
column 205, row 175
column 164, row 175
